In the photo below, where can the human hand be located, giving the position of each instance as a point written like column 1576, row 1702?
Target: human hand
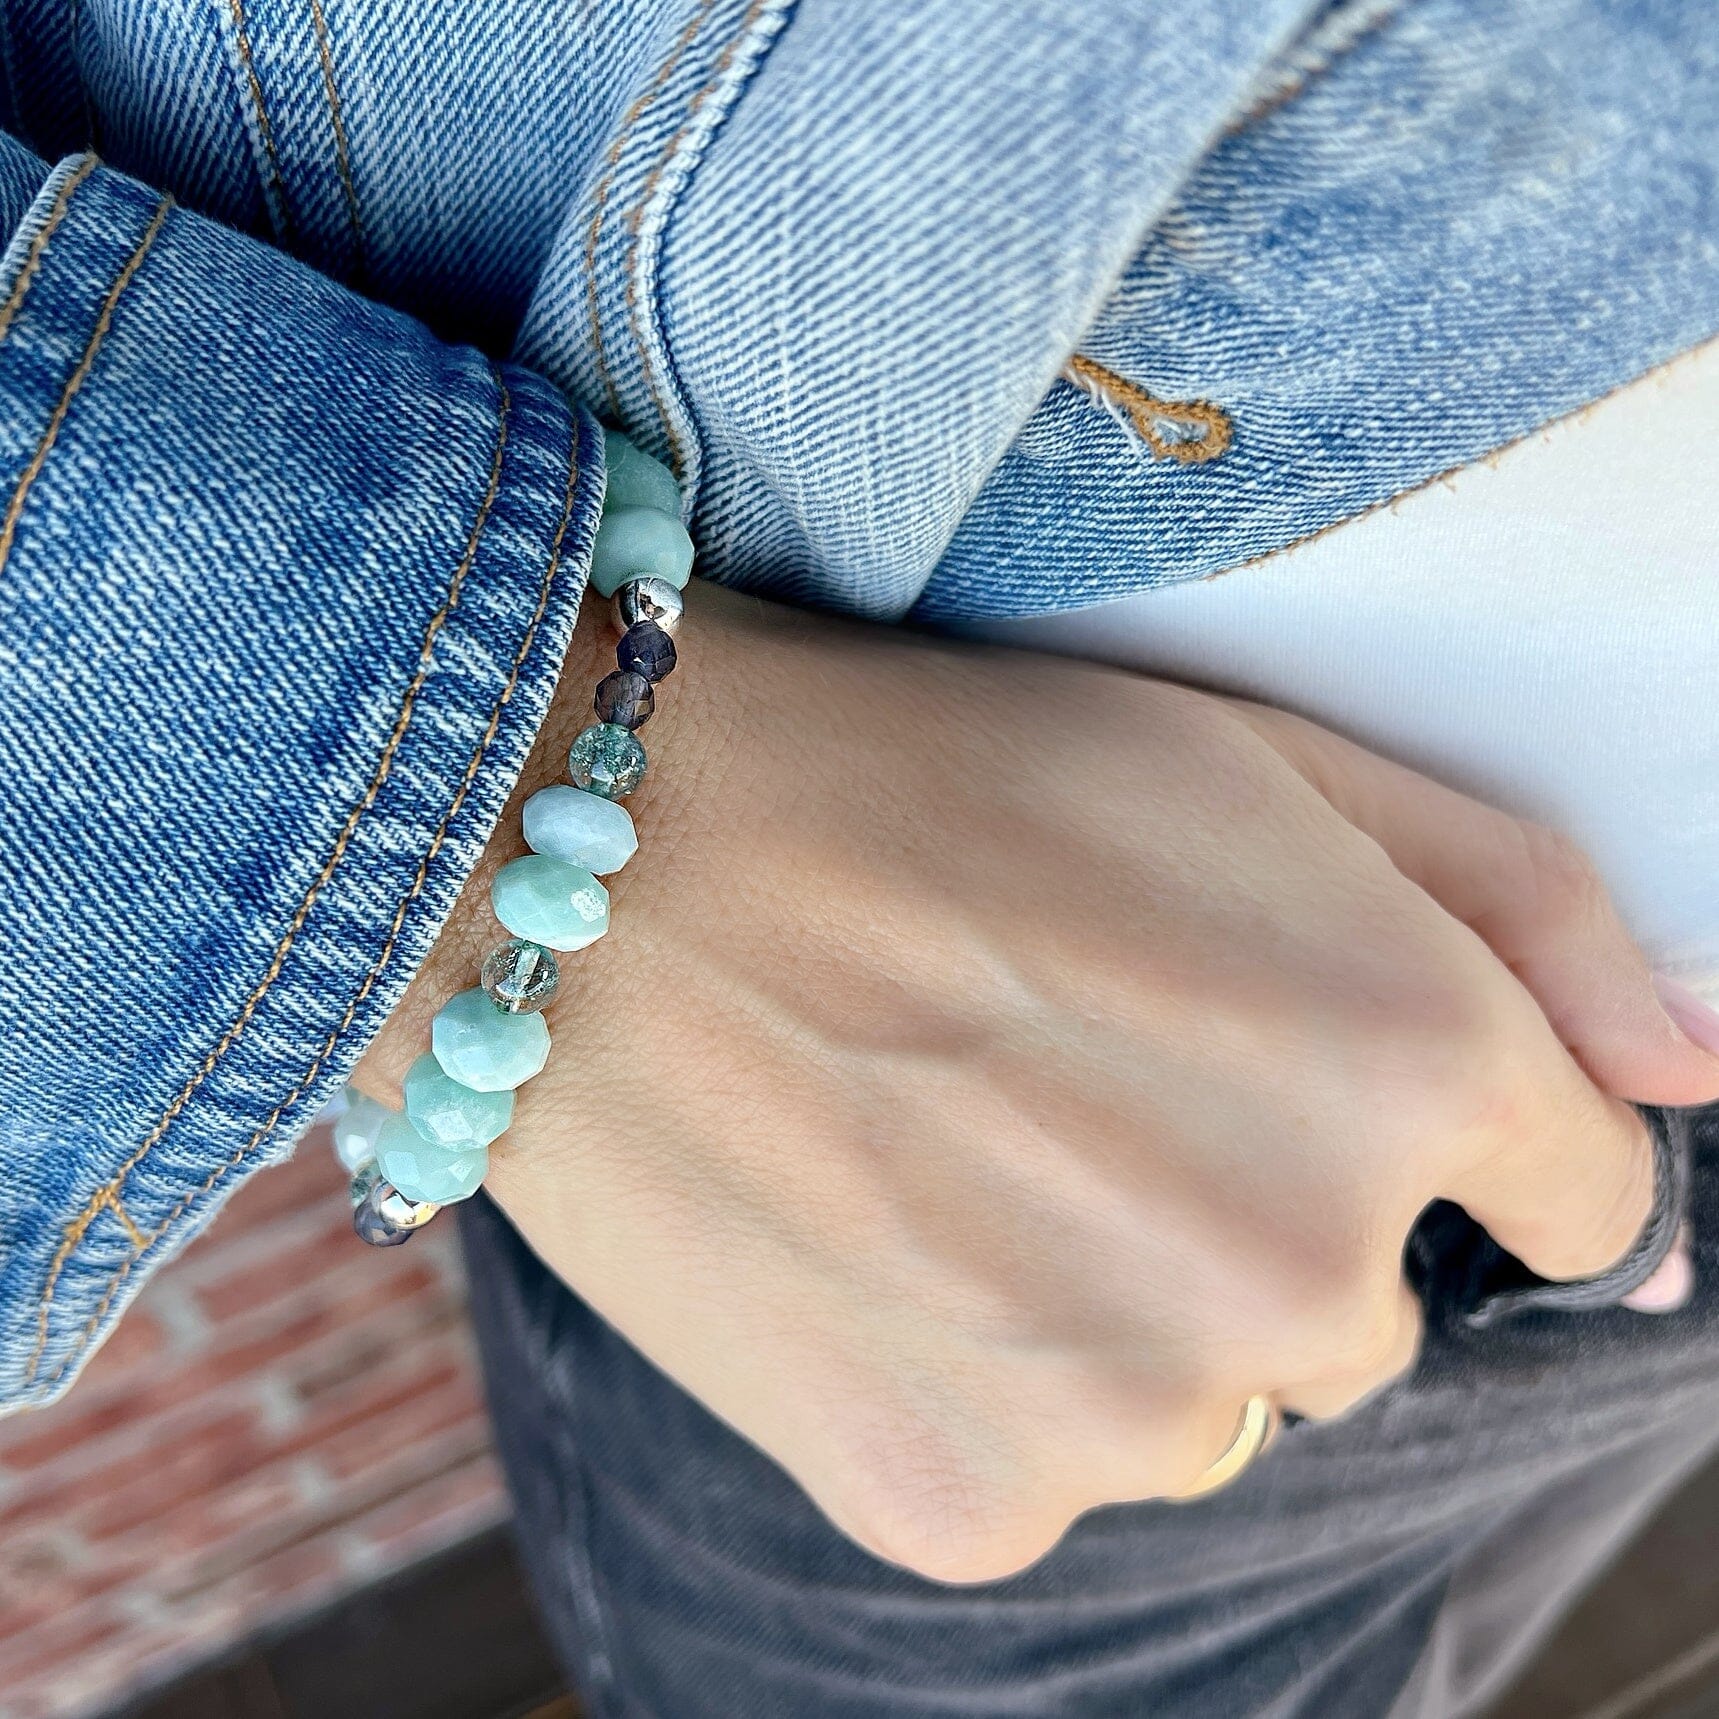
column 1001, row 1068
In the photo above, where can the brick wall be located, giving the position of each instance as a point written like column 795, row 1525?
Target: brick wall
column 283, row 1416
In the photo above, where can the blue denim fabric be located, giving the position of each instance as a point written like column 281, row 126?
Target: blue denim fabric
column 284, row 584
column 831, row 259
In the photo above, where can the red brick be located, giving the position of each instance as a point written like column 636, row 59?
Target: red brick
column 205, row 1523
column 213, row 1458
column 138, row 1338
column 378, row 1345
column 58, row 1641
column 44, row 1438
column 455, row 1400
column 435, row 1512
column 201, row 1445
column 285, row 1272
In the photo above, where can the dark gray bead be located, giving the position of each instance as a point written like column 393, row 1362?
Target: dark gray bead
column 645, row 649
column 521, row 976
column 625, row 699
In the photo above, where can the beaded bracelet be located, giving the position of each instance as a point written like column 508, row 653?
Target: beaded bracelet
column 489, row 1040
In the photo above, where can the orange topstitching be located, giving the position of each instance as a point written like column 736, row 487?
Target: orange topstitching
column 76, row 1228
column 545, row 591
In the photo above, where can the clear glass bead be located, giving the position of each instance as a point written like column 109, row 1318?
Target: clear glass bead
column 607, row 760
column 520, row 976
column 364, row 1178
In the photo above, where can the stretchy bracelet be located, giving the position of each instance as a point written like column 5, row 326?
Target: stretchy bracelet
column 488, row 1041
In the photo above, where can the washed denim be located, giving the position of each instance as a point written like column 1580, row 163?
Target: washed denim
column 308, row 309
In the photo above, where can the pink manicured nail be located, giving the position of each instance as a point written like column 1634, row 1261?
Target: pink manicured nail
column 1669, row 1287
column 1700, row 1023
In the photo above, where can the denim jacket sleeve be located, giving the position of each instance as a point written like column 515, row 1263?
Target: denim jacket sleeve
column 285, row 584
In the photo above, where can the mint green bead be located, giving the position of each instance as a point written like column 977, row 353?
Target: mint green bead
column 486, row 1048
column 424, row 1171
column 550, row 901
column 635, row 479
column 639, row 543
column 583, row 828
column 451, row 1115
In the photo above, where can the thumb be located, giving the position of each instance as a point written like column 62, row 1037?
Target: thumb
column 1535, row 899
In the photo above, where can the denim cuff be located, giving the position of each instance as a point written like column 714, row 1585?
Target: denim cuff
column 285, row 587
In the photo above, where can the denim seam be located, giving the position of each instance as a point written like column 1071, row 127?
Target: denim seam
column 600, row 201
column 342, row 154
column 265, row 131
column 1122, row 398
column 33, row 260
column 1312, row 71
column 1486, row 458
column 75, row 381
column 76, row 1229
column 377, row 967
column 635, row 222
column 580, row 1565
column 126, row 1221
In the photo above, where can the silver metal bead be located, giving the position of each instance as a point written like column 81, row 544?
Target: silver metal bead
column 648, row 600
column 384, row 1217
column 403, row 1213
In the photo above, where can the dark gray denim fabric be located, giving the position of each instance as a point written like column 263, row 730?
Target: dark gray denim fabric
column 1399, row 1562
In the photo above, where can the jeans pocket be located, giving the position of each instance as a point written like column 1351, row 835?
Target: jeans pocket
column 1455, row 1265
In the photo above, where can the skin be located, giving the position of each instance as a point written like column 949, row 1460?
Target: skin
column 1002, row 1067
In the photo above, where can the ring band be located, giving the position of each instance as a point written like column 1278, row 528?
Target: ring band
column 1259, row 1420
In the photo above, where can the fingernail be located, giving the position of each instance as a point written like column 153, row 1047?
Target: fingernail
column 1698, row 1022
column 1669, row 1288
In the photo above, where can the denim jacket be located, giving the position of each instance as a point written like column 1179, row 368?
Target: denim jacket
column 309, row 308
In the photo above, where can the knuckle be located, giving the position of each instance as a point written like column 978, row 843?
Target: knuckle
column 1364, row 1338
column 1603, row 1228
column 1567, row 884
column 1437, row 1037
column 958, row 1534
column 1323, row 1287
column 949, row 1509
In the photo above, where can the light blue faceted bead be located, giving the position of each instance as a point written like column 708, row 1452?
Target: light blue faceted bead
column 639, row 543
column 355, row 1133
column 580, row 827
column 548, row 901
column 423, row 1171
column 635, row 479
column 451, row 1115
column 486, row 1048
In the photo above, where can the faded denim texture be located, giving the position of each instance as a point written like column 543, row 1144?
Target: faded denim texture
column 300, row 476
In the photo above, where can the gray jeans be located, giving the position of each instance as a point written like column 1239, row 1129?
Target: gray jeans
column 1403, row 1561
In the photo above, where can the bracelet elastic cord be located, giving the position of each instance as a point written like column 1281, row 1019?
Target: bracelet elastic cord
column 488, row 1041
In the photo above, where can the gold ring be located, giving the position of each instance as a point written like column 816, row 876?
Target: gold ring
column 1258, row 1422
